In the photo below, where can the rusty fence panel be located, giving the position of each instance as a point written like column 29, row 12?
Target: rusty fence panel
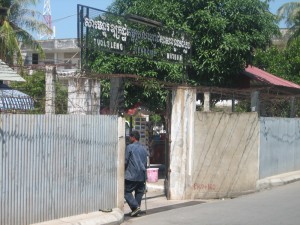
column 54, row 166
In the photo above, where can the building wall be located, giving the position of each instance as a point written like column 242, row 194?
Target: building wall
column 57, row 51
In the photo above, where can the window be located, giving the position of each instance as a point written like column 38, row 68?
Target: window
column 49, row 58
column 35, row 58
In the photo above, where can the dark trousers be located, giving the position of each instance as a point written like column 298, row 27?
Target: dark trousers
column 139, row 188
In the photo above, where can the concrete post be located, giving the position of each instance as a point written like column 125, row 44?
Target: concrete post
column 293, row 107
column 84, row 96
column 233, row 104
column 55, row 58
column 182, row 141
column 50, row 90
column 206, row 107
column 121, row 163
column 116, row 95
column 255, row 104
column 95, row 96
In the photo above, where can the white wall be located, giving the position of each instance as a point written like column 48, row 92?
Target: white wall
column 225, row 159
column 212, row 155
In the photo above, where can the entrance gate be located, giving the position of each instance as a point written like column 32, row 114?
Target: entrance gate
column 133, row 36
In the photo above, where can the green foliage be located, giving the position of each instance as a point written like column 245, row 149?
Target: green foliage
column 274, row 60
column 290, row 13
column 15, row 28
column 277, row 108
column 224, row 35
column 284, row 63
column 61, row 98
column 243, row 106
column 140, row 90
column 35, row 88
column 224, row 32
column 293, row 58
column 155, row 118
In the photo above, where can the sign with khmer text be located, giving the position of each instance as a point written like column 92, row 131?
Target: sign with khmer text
column 103, row 31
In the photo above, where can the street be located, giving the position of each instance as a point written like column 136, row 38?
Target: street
column 276, row 206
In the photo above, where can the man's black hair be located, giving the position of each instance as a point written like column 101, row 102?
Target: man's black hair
column 135, row 134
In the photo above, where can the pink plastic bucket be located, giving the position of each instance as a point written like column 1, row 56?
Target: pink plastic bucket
column 152, row 175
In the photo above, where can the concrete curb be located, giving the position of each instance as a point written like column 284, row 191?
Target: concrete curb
column 278, row 180
column 116, row 217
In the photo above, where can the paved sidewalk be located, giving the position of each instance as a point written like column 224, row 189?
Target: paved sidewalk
column 96, row 218
column 157, row 202
column 278, row 180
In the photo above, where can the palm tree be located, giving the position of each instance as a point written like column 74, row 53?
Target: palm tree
column 15, row 27
column 290, row 12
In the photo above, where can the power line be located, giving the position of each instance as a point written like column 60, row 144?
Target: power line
column 53, row 21
column 63, row 18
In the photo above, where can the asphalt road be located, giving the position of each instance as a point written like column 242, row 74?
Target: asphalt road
column 276, row 206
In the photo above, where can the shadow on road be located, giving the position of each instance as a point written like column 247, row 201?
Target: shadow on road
column 164, row 208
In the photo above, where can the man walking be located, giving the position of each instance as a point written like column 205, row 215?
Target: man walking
column 135, row 172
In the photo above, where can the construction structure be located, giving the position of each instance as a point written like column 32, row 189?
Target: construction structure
column 48, row 20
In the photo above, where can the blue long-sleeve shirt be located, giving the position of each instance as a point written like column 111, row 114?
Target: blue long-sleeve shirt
column 135, row 162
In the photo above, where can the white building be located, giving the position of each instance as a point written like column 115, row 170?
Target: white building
column 65, row 55
column 57, row 51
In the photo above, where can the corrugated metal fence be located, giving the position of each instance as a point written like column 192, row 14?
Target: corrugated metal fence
column 279, row 146
column 56, row 166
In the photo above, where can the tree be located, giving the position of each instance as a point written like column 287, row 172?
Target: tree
column 15, row 26
column 35, row 88
column 290, row 12
column 284, row 63
column 224, row 32
column 293, row 57
column 224, row 35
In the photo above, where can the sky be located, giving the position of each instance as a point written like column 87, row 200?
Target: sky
column 64, row 13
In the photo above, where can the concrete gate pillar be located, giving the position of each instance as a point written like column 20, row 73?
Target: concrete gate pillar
column 116, row 104
column 206, row 106
column 255, row 104
column 182, row 141
column 293, row 107
column 84, row 96
column 50, row 90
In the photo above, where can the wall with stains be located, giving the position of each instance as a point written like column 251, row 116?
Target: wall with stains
column 212, row 154
column 279, row 146
column 182, row 141
column 223, row 155
column 225, row 159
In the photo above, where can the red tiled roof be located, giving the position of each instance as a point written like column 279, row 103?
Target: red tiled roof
column 265, row 77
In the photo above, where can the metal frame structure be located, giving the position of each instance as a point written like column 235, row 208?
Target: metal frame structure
column 130, row 35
